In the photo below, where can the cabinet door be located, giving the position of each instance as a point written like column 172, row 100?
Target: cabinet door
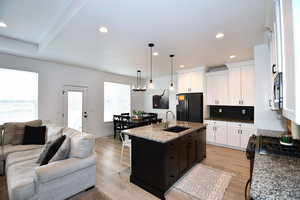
column 210, row 133
column 210, row 90
column 221, row 134
column 234, row 86
column 196, row 81
column 183, row 83
column 183, row 155
column 245, row 135
column 233, row 136
column 248, row 85
column 221, row 83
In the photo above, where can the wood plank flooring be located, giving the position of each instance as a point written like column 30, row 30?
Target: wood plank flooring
column 112, row 175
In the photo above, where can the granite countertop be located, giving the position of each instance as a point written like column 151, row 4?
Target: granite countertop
column 275, row 177
column 231, row 120
column 156, row 132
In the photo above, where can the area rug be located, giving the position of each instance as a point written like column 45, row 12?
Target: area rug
column 203, row 183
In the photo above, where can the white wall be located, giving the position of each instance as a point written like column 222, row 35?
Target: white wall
column 161, row 83
column 52, row 78
column 265, row 118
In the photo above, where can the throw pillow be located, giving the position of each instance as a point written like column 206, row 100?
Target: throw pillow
column 82, row 145
column 52, row 149
column 63, row 151
column 34, row 135
column 53, row 132
column 43, row 153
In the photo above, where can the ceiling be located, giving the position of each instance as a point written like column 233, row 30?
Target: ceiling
column 66, row 31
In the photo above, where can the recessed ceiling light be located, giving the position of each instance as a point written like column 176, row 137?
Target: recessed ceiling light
column 219, row 35
column 232, row 56
column 103, row 29
column 181, row 66
column 155, row 53
column 3, row 25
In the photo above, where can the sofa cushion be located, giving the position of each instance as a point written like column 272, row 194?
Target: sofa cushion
column 9, row 132
column 14, row 131
column 63, row 151
column 51, row 151
column 82, row 145
column 34, row 135
column 7, row 149
column 13, row 158
column 20, row 180
column 19, row 130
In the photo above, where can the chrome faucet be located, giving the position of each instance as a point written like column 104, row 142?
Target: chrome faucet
column 173, row 116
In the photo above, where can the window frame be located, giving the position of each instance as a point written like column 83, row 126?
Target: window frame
column 130, row 98
column 37, row 87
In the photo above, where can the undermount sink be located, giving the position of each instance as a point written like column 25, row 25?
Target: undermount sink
column 176, row 129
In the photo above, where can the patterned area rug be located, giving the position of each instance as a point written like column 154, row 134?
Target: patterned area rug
column 203, row 183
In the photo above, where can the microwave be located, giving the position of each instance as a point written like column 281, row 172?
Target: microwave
column 278, row 91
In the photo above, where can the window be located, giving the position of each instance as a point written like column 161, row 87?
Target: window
column 116, row 100
column 18, row 96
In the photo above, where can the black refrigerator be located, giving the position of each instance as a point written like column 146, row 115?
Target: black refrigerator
column 190, row 107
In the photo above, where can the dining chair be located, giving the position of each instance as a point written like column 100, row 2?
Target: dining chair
column 117, row 120
column 126, row 142
column 126, row 114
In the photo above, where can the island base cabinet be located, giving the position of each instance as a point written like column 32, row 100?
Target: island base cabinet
column 156, row 166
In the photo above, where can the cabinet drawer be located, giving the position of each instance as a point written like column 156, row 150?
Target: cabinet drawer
column 216, row 122
column 241, row 125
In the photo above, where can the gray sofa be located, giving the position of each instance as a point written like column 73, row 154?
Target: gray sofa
column 26, row 180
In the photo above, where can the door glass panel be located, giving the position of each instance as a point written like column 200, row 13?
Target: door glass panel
column 75, row 110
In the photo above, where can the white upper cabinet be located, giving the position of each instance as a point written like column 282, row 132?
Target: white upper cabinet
column 190, row 81
column 217, row 88
column 235, row 86
column 247, row 86
column 241, row 83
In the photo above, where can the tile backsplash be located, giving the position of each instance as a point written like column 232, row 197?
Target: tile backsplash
column 232, row 112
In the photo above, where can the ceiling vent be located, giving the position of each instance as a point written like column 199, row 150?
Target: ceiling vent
column 217, row 68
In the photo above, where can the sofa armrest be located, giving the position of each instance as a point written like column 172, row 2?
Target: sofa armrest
column 62, row 168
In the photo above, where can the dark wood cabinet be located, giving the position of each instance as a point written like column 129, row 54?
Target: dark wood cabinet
column 157, row 166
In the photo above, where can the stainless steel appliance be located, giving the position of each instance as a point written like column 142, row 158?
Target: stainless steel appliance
column 190, row 107
column 278, row 91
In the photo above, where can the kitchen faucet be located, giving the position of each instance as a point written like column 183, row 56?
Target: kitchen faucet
column 173, row 116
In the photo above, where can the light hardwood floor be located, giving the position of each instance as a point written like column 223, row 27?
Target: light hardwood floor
column 112, row 175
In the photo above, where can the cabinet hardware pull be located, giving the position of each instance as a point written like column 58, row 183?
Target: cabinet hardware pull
column 172, row 176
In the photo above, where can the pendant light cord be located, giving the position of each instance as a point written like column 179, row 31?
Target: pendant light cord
column 151, row 64
column 172, row 62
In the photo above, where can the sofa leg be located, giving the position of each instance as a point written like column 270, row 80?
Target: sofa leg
column 90, row 188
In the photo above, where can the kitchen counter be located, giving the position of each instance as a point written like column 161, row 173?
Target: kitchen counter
column 231, row 120
column 156, row 133
column 160, row 158
column 275, row 177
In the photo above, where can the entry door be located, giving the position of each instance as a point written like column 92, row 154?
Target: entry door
column 75, row 108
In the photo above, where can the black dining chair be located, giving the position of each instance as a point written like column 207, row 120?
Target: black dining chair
column 126, row 114
column 153, row 118
column 117, row 120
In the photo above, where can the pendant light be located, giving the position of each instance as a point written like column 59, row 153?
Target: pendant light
column 151, row 45
column 172, row 62
column 138, row 87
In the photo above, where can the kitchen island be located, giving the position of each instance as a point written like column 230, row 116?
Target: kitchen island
column 160, row 157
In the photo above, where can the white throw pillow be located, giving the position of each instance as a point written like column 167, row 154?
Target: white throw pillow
column 53, row 132
column 69, row 132
column 82, row 145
